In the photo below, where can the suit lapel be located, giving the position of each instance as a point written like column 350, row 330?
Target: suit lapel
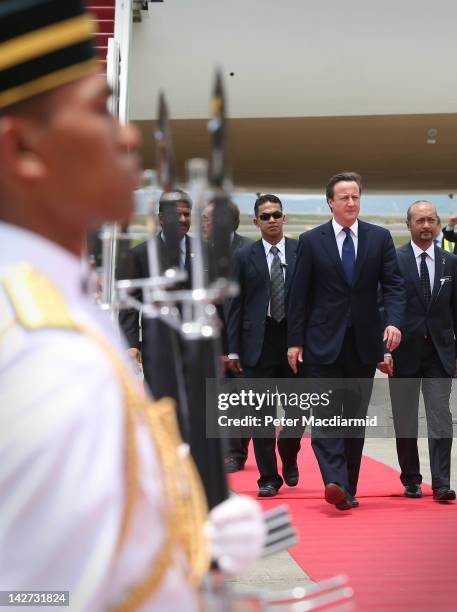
column 163, row 255
column 235, row 242
column 260, row 261
column 362, row 249
column 439, row 270
column 411, row 267
column 291, row 255
column 189, row 255
column 331, row 248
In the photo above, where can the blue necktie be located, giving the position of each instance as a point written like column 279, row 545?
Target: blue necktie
column 348, row 256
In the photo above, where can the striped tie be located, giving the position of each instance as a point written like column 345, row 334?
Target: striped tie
column 277, row 310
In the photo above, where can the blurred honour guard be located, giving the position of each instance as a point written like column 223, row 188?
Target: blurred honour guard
column 98, row 495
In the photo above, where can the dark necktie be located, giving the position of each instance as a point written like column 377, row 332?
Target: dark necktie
column 348, row 256
column 277, row 287
column 425, row 279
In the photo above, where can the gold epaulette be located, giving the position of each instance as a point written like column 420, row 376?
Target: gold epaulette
column 38, row 304
column 36, row 301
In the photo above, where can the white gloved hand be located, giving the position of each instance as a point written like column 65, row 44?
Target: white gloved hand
column 236, row 532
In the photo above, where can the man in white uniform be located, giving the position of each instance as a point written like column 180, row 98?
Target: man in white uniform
column 87, row 504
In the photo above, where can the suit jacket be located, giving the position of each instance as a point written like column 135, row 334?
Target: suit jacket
column 237, row 243
column 247, row 312
column 321, row 300
column 137, row 266
column 438, row 319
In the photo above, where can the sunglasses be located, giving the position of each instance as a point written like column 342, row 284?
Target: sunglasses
column 277, row 214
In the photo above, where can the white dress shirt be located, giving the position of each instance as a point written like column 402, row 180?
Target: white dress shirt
column 430, row 261
column 340, row 235
column 62, row 463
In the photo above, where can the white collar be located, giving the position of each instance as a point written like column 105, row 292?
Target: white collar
column 337, row 228
column 418, row 251
column 62, row 267
column 281, row 246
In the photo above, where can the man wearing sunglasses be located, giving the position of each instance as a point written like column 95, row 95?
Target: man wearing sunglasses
column 257, row 328
column 336, row 329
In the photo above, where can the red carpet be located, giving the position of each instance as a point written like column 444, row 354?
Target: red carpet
column 399, row 554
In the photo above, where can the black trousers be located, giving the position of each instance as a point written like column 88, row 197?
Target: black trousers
column 339, row 455
column 405, row 386
column 237, row 448
column 272, row 364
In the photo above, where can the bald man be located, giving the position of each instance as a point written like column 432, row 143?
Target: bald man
column 426, row 358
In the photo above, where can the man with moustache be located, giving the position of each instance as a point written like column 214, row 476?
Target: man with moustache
column 426, row 357
column 156, row 344
column 334, row 327
column 257, row 328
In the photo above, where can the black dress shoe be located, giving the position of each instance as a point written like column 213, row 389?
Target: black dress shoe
column 290, row 474
column 443, row 494
column 267, row 490
column 413, row 491
column 337, row 495
column 353, row 501
column 233, row 465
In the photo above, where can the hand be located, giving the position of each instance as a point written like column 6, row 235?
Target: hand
column 224, row 361
column 135, row 355
column 452, row 221
column 386, row 366
column 392, row 337
column 294, row 355
column 234, row 365
column 236, row 533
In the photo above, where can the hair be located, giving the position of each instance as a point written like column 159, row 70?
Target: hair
column 409, row 211
column 263, row 199
column 234, row 214
column 337, row 178
column 183, row 197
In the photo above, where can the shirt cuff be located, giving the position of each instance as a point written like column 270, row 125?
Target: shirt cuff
column 233, row 356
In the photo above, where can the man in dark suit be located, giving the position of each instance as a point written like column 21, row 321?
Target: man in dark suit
column 237, row 448
column 427, row 354
column 257, row 326
column 155, row 345
column 335, row 327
